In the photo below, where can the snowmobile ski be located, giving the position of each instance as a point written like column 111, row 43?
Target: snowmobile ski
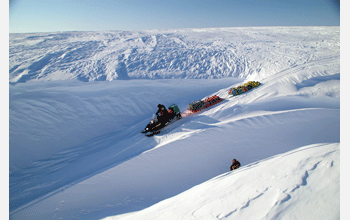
column 152, row 134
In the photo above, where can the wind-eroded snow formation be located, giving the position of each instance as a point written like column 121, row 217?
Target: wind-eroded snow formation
column 154, row 54
column 76, row 151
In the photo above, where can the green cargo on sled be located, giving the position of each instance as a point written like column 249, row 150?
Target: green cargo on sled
column 174, row 108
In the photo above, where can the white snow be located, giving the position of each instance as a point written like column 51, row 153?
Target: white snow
column 303, row 184
column 76, row 151
column 155, row 54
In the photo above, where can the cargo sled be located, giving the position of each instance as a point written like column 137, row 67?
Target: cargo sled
column 203, row 104
column 243, row 88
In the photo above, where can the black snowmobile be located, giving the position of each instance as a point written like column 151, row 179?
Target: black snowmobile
column 160, row 121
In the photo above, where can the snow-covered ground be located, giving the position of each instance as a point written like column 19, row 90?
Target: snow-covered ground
column 303, row 184
column 76, row 151
column 158, row 54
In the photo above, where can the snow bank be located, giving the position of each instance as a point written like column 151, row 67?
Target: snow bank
column 300, row 184
column 58, row 129
column 48, row 117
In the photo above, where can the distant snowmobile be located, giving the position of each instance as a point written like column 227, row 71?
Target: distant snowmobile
column 160, row 120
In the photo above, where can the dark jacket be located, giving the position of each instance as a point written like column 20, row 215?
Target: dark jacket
column 235, row 164
column 164, row 115
column 162, row 110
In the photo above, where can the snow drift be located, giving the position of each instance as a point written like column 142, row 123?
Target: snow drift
column 76, row 151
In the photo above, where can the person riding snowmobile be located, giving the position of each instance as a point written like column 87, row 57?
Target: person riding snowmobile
column 162, row 118
column 235, row 164
column 162, row 114
column 161, row 109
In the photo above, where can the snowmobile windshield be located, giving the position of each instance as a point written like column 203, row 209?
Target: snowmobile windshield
column 154, row 118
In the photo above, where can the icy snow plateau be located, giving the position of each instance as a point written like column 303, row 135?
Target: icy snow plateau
column 159, row 54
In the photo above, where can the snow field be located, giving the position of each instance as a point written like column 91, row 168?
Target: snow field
column 198, row 149
column 76, row 151
column 157, row 54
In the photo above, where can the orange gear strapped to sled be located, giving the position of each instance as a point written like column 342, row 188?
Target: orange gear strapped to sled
column 202, row 104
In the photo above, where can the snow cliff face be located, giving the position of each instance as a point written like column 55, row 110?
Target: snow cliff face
column 156, row 54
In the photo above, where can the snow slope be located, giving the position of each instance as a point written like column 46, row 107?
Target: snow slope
column 46, row 118
column 304, row 184
column 76, row 151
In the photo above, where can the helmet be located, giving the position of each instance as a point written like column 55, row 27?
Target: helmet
column 234, row 160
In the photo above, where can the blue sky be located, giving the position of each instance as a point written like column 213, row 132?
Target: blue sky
column 95, row 15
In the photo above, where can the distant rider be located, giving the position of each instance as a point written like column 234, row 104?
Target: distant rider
column 235, row 164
